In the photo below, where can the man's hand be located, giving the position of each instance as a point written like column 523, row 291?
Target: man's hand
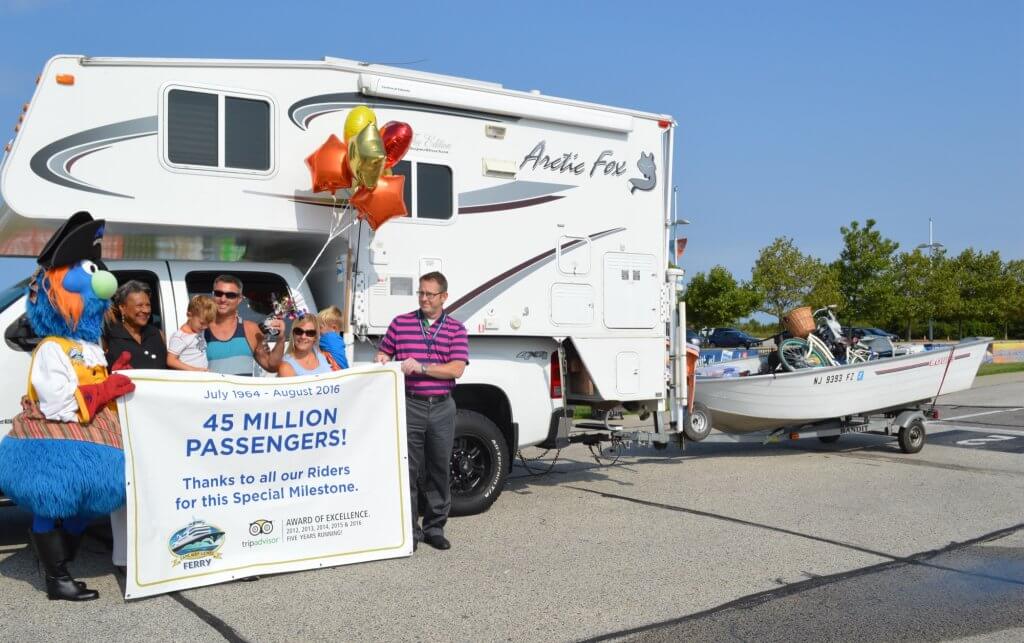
column 382, row 358
column 277, row 324
column 410, row 366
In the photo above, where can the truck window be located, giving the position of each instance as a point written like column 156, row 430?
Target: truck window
column 433, row 188
column 194, row 136
column 12, row 294
column 259, row 291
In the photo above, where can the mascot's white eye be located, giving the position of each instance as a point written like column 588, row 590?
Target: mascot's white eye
column 89, row 267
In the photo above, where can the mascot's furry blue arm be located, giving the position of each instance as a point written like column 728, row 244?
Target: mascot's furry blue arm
column 62, row 459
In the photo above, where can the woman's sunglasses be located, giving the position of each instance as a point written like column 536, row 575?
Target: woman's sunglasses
column 299, row 332
column 226, row 294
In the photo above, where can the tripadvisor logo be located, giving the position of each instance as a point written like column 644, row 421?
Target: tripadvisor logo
column 261, row 531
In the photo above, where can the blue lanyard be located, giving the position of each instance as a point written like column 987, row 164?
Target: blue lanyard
column 430, row 339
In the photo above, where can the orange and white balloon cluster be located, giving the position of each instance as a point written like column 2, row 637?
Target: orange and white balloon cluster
column 363, row 164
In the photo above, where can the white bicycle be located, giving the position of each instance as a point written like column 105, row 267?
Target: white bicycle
column 796, row 353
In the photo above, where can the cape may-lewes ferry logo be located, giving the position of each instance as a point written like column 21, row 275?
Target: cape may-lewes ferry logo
column 196, row 544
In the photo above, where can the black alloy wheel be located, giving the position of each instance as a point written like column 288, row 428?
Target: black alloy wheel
column 479, row 464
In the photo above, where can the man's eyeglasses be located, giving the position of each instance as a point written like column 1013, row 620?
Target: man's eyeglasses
column 227, row 294
column 299, row 332
column 428, row 295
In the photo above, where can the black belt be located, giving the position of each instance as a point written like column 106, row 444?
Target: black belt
column 429, row 399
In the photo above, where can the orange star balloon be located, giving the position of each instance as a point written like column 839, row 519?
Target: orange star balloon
column 328, row 166
column 382, row 203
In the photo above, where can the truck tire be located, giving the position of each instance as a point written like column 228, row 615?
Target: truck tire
column 479, row 463
column 911, row 437
column 698, row 423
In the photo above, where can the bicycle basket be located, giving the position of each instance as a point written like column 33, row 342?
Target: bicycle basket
column 799, row 322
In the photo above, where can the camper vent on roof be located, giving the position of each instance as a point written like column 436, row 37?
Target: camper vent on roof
column 500, row 168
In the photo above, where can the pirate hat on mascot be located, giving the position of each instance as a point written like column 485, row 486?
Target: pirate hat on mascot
column 76, row 239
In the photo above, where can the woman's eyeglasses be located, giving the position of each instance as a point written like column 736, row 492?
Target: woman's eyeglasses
column 299, row 332
column 226, row 294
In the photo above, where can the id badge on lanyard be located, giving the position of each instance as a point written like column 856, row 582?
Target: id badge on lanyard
column 430, row 338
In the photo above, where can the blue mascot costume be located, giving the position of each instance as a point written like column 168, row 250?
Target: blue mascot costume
column 62, row 459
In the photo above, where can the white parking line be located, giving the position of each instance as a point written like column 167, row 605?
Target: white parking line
column 975, row 415
column 935, row 427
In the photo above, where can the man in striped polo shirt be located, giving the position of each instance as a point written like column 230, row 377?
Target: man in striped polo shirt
column 434, row 351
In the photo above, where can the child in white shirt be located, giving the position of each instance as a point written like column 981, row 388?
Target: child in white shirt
column 186, row 347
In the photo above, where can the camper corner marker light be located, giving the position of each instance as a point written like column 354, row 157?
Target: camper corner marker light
column 65, row 79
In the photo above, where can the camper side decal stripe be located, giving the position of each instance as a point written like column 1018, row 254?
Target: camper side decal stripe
column 529, row 265
column 509, row 196
column 53, row 162
column 302, row 112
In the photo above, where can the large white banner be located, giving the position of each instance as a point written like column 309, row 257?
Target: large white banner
column 230, row 477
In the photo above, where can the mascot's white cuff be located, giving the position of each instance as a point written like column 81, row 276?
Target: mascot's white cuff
column 55, row 381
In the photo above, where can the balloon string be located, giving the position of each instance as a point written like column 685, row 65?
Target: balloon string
column 334, row 233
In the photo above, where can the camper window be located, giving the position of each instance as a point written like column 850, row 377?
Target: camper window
column 195, row 136
column 430, row 190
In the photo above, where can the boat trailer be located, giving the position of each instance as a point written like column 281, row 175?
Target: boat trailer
column 906, row 425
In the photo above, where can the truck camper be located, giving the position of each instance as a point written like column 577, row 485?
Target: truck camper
column 551, row 219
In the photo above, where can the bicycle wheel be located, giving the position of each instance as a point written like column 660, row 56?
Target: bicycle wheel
column 793, row 353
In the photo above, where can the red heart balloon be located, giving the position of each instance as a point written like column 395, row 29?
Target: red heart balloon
column 397, row 138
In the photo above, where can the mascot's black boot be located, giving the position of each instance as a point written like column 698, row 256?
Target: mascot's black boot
column 60, row 586
column 71, row 544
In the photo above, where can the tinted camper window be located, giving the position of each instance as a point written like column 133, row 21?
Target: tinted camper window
column 192, row 128
column 195, row 137
column 433, row 189
column 246, row 133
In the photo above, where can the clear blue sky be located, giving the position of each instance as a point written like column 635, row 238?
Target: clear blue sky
column 794, row 117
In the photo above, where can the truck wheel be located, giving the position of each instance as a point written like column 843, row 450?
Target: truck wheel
column 698, row 423
column 479, row 463
column 911, row 437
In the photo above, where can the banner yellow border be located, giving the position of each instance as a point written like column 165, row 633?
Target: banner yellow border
column 402, row 488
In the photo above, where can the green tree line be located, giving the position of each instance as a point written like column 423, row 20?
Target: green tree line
column 872, row 283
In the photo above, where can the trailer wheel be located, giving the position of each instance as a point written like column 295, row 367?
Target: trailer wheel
column 911, row 437
column 479, row 463
column 698, row 423
column 828, row 439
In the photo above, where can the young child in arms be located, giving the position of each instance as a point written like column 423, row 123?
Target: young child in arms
column 186, row 347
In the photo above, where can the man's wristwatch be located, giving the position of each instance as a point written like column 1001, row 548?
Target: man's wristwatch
column 423, row 369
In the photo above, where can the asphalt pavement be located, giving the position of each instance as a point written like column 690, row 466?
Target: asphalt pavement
column 799, row 541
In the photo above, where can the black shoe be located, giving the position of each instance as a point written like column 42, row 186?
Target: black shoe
column 60, row 586
column 415, row 544
column 437, row 541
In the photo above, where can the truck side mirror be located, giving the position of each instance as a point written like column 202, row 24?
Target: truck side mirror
column 20, row 336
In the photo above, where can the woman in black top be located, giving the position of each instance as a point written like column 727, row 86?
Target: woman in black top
column 130, row 329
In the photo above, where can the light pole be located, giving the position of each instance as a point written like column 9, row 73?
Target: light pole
column 675, row 221
column 932, row 246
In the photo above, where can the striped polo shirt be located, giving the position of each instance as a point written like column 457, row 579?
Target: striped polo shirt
column 407, row 337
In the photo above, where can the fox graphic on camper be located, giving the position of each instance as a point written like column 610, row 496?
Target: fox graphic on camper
column 647, row 168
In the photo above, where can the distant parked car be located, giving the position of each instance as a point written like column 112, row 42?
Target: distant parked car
column 861, row 332
column 731, row 338
column 693, row 337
